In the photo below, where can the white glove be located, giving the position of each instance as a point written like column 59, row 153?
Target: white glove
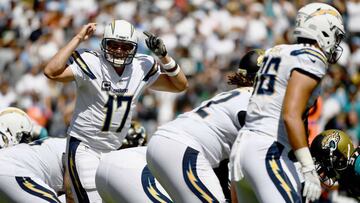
column 312, row 187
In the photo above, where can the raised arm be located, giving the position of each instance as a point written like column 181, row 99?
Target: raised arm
column 57, row 69
column 174, row 80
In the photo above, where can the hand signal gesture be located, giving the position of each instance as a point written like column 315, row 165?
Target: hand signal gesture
column 155, row 44
column 86, row 31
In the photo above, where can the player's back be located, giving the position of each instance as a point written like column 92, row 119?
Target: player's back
column 41, row 158
column 214, row 124
column 265, row 106
column 105, row 100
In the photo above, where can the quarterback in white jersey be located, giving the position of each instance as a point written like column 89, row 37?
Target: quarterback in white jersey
column 108, row 87
column 200, row 139
column 286, row 87
column 32, row 172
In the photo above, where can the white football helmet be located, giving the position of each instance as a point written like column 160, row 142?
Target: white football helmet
column 324, row 24
column 14, row 125
column 119, row 43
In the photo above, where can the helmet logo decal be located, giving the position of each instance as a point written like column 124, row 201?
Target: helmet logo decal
column 331, row 141
column 113, row 26
column 132, row 30
column 324, row 12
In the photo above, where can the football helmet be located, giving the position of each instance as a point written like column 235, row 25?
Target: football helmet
column 135, row 137
column 15, row 125
column 331, row 150
column 324, row 24
column 251, row 61
column 119, row 43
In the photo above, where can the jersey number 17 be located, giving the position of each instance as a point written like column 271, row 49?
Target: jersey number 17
column 119, row 101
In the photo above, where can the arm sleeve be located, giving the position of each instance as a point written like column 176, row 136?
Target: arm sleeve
column 309, row 61
column 80, row 64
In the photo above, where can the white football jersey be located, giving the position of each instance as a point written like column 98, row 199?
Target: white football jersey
column 41, row 158
column 265, row 106
column 105, row 101
column 213, row 125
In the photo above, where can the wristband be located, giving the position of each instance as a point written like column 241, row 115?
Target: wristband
column 174, row 72
column 169, row 65
column 303, row 155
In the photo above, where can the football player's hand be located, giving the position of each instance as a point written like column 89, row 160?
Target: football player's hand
column 155, row 44
column 86, row 31
column 312, row 187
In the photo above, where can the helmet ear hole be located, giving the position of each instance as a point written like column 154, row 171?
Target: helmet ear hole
column 325, row 34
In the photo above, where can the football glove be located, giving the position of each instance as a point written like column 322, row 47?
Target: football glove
column 312, row 187
column 155, row 44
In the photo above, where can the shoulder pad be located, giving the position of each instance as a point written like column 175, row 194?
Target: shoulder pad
column 309, row 54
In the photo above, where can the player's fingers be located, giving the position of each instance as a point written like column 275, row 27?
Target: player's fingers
column 147, row 43
column 148, row 34
column 152, row 40
column 305, row 190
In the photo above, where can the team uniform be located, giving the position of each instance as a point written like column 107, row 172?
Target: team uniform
column 262, row 146
column 104, row 106
column 350, row 178
column 122, row 176
column 197, row 142
column 32, row 172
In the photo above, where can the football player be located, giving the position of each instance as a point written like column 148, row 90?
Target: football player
column 197, row 141
column 108, row 87
column 274, row 134
column 337, row 160
column 32, row 172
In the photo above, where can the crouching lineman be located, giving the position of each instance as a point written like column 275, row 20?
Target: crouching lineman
column 29, row 172
column 337, row 160
column 182, row 153
column 32, row 172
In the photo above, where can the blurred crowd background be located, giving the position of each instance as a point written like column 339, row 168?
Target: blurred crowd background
column 206, row 37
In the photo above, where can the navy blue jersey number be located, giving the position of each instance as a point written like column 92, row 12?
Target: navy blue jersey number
column 265, row 82
column 228, row 95
column 118, row 101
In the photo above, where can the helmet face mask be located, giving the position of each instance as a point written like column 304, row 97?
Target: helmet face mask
column 119, row 43
column 322, row 23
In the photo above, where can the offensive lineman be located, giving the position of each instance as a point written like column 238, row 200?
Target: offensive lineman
column 197, row 141
column 287, row 86
column 108, row 87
